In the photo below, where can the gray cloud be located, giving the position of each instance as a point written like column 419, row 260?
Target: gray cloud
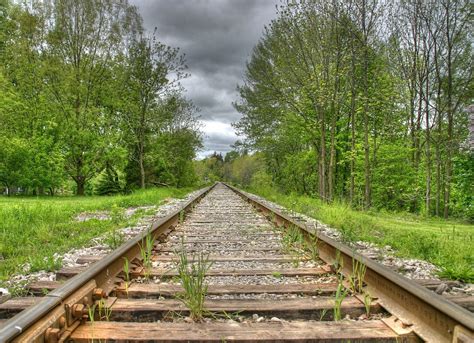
column 217, row 37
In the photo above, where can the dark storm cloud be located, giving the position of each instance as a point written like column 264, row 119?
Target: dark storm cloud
column 217, row 37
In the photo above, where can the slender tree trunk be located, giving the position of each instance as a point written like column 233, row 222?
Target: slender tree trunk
column 141, row 164
column 322, row 159
column 332, row 160
column 439, row 181
column 79, row 178
column 412, row 123
column 439, row 122
column 428, row 150
column 367, row 195
column 365, row 81
column 141, row 145
column 352, row 166
column 352, row 121
column 450, row 114
column 352, row 124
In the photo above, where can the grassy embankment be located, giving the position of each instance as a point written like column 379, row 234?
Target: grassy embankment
column 32, row 229
column 448, row 244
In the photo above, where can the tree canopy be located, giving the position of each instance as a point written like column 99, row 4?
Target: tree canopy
column 365, row 101
column 86, row 98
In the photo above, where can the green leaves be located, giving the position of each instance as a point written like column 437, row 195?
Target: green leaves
column 90, row 95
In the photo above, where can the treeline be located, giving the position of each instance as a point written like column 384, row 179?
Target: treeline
column 237, row 167
column 366, row 101
column 89, row 101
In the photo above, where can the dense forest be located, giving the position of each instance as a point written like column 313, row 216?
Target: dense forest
column 89, row 101
column 365, row 102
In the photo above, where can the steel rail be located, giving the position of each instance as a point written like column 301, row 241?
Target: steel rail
column 428, row 314
column 102, row 272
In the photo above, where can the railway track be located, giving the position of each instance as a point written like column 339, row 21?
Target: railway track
column 266, row 282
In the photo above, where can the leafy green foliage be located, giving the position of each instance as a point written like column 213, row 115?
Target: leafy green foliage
column 344, row 105
column 109, row 182
column 73, row 114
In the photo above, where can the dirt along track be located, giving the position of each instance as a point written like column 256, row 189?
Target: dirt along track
column 265, row 283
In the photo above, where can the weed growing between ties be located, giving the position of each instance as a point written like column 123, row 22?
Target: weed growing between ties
column 323, row 314
column 292, row 240
column 104, row 311
column 367, row 303
column 146, row 252
column 277, row 275
column 311, row 247
column 91, row 315
column 341, row 294
column 191, row 276
column 338, row 263
column 126, row 272
column 356, row 279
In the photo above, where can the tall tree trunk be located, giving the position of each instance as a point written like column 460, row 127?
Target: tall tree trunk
column 365, row 80
column 79, row 178
column 428, row 150
column 450, row 114
column 367, row 195
column 412, row 124
column 322, row 159
column 352, row 121
column 439, row 131
column 332, row 160
column 439, row 181
column 141, row 164
column 80, row 186
column 352, row 166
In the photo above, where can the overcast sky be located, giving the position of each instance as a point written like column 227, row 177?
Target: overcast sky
column 217, row 37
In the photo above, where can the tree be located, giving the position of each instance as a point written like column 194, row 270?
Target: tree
column 82, row 38
column 15, row 163
column 350, row 84
column 152, row 69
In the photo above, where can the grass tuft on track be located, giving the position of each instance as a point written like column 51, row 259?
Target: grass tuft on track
column 449, row 244
column 33, row 229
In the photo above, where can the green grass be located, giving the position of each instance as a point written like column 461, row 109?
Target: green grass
column 192, row 278
column 449, row 244
column 32, row 229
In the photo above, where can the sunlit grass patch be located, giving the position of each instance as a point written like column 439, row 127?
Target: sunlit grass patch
column 33, row 229
column 449, row 244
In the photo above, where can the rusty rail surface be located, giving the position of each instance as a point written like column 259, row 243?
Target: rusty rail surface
column 413, row 308
column 432, row 317
column 58, row 311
